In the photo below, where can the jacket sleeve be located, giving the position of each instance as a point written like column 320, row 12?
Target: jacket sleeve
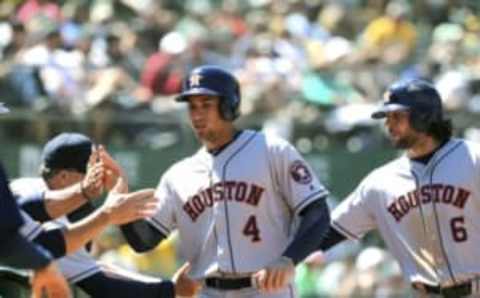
column 20, row 253
column 141, row 235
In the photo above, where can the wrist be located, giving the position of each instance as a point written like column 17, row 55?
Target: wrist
column 49, row 268
column 84, row 192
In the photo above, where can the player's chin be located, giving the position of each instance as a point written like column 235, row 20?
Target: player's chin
column 395, row 141
column 401, row 143
column 200, row 133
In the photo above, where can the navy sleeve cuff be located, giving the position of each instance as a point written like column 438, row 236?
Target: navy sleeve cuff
column 34, row 205
column 332, row 238
column 141, row 235
column 53, row 241
column 81, row 212
column 101, row 285
column 313, row 227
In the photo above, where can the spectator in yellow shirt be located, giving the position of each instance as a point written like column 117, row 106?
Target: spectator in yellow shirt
column 391, row 37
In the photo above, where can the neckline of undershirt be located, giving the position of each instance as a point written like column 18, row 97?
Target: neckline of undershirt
column 217, row 151
column 424, row 159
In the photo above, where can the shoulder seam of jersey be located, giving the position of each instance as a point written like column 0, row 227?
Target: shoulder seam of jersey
column 160, row 226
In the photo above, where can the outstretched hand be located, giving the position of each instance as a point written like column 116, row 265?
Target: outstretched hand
column 114, row 176
column 124, row 208
column 92, row 184
column 49, row 282
column 103, row 173
column 184, row 285
column 275, row 276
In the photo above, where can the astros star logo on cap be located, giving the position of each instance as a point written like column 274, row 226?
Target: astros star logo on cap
column 386, row 96
column 195, row 79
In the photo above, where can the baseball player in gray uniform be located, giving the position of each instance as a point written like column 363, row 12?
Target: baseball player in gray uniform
column 245, row 205
column 425, row 203
column 64, row 168
column 75, row 267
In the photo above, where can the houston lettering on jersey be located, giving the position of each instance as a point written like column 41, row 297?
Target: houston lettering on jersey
column 438, row 193
column 228, row 190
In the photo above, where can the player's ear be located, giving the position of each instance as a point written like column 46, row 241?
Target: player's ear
column 63, row 175
column 56, row 177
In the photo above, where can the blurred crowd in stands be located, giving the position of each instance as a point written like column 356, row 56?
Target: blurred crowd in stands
column 294, row 58
column 307, row 61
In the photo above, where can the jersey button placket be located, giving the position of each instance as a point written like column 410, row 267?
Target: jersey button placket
column 220, row 228
column 434, row 234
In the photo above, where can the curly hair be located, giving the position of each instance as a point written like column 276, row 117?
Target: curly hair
column 440, row 130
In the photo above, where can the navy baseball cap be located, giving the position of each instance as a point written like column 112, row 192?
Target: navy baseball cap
column 209, row 80
column 3, row 108
column 413, row 94
column 67, row 151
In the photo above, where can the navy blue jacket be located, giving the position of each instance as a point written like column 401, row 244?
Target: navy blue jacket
column 15, row 251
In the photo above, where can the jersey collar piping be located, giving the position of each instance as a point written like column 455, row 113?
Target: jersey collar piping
column 424, row 159
column 437, row 156
column 216, row 152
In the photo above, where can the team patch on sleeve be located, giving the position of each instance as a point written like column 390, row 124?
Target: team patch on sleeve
column 300, row 172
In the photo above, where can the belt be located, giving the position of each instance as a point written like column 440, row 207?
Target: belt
column 228, row 283
column 456, row 291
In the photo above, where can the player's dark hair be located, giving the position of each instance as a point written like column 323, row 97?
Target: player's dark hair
column 440, row 130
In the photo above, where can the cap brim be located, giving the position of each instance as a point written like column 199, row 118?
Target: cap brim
column 196, row 91
column 393, row 107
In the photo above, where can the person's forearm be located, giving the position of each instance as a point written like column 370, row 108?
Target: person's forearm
column 312, row 230
column 116, row 210
column 81, row 232
column 64, row 201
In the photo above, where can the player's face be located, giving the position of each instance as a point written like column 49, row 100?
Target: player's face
column 205, row 116
column 65, row 178
column 402, row 135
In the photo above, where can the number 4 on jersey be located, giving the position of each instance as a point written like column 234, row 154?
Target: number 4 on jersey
column 251, row 229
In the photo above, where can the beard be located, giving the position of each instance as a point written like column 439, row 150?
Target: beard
column 404, row 142
column 206, row 135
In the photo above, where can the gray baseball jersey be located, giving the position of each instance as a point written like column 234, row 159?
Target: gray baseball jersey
column 74, row 267
column 236, row 210
column 428, row 215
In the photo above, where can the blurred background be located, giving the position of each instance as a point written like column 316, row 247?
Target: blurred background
column 311, row 71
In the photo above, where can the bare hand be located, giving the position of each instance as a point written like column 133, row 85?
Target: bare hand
column 92, row 183
column 276, row 276
column 49, row 282
column 184, row 285
column 112, row 171
column 316, row 258
column 124, row 208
